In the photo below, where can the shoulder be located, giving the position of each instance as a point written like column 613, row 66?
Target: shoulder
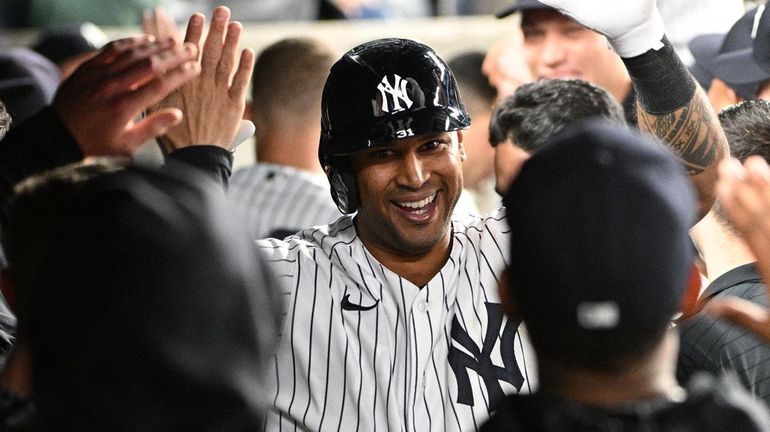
column 478, row 231
column 319, row 239
column 494, row 221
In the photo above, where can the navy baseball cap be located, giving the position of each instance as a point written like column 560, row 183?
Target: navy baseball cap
column 521, row 5
column 732, row 57
column 599, row 222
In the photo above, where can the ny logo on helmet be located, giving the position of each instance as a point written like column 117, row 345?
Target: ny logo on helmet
column 393, row 95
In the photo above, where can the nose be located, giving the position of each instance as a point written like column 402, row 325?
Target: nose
column 553, row 51
column 412, row 171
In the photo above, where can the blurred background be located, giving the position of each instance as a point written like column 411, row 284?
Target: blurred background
column 451, row 27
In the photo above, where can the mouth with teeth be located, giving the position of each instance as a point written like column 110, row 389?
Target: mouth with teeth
column 418, row 211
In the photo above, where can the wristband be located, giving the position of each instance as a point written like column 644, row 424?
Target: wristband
column 662, row 82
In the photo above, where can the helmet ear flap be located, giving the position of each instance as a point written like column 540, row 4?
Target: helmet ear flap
column 343, row 190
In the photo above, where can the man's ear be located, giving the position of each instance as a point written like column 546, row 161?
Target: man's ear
column 510, row 307
column 690, row 300
column 721, row 95
column 8, row 289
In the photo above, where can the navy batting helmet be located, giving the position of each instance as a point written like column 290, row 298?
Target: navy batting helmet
column 378, row 92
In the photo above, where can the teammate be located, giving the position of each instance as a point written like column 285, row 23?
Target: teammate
column 392, row 319
column 556, row 46
column 713, row 345
column 479, row 99
column 599, row 264
column 285, row 190
column 522, row 123
column 393, row 322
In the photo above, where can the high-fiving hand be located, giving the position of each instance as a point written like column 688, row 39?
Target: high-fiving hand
column 100, row 101
column 213, row 103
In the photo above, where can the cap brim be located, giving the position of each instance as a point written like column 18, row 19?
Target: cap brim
column 520, row 6
column 739, row 67
column 735, row 67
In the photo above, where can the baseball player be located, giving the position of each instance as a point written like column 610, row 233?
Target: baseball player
column 393, row 320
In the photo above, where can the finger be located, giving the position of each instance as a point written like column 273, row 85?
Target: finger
column 149, row 25
column 150, row 68
column 229, row 54
column 242, row 76
column 116, row 48
column 156, row 124
column 195, row 29
column 212, row 48
column 743, row 313
column 157, row 89
column 139, row 53
column 165, row 25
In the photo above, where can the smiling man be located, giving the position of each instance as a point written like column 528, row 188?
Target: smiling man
column 393, row 319
column 556, row 46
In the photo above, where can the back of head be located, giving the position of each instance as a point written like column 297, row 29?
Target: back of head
column 287, row 82
column 747, row 129
column 538, row 110
column 600, row 252
column 479, row 98
column 144, row 307
column 478, row 95
column 378, row 92
column 28, row 82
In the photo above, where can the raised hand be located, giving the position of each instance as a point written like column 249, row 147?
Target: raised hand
column 213, row 104
column 100, row 101
column 632, row 26
column 744, row 193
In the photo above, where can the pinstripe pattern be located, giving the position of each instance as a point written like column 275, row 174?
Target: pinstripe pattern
column 388, row 368
column 716, row 346
column 278, row 198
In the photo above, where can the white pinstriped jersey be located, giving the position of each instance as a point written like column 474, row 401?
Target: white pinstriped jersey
column 279, row 200
column 363, row 349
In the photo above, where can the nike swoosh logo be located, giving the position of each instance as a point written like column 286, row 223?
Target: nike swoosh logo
column 348, row 306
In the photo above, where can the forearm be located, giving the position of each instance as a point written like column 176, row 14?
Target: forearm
column 215, row 161
column 671, row 107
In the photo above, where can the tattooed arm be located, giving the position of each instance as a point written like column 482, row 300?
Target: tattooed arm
column 694, row 134
column 670, row 104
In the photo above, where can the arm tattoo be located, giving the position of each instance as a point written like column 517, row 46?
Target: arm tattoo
column 692, row 132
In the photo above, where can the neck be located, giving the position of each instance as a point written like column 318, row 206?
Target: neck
column 721, row 249
column 298, row 149
column 418, row 268
column 620, row 90
column 652, row 376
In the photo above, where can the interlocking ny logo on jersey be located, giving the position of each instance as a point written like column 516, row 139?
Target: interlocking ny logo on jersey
column 480, row 361
column 394, row 94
